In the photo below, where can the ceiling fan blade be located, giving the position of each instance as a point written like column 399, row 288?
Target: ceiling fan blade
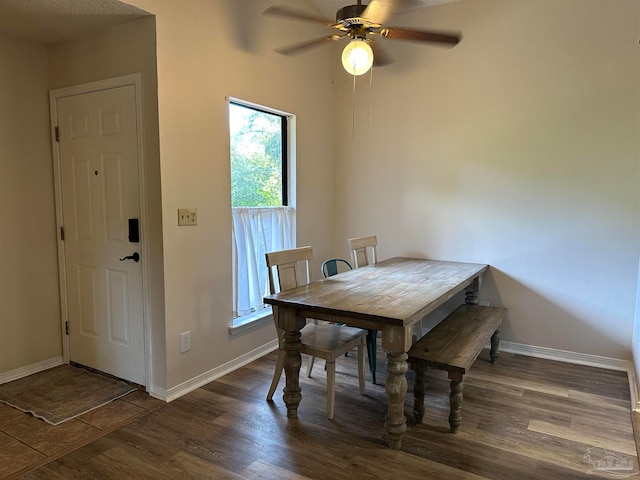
column 380, row 55
column 421, row 36
column 296, row 14
column 380, row 11
column 302, row 46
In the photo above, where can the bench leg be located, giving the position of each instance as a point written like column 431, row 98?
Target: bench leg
column 495, row 346
column 418, row 392
column 455, row 401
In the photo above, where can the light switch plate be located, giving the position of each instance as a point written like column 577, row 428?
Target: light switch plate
column 187, row 216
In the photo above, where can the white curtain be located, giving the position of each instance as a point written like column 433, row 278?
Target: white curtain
column 255, row 232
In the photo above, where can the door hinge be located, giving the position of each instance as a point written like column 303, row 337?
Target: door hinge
column 66, row 327
column 62, row 233
column 57, row 131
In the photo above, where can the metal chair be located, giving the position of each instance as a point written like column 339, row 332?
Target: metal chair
column 331, row 266
column 323, row 340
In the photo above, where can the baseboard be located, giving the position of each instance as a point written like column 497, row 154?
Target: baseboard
column 206, row 377
column 633, row 389
column 30, row 369
column 511, row 347
column 565, row 356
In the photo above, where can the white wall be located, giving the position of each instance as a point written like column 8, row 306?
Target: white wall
column 207, row 51
column 29, row 298
column 517, row 148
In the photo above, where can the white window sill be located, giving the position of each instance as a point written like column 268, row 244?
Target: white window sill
column 251, row 322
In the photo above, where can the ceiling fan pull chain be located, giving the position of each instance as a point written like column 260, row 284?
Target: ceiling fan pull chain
column 353, row 110
column 369, row 100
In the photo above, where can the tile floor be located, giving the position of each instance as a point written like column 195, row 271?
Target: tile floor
column 27, row 442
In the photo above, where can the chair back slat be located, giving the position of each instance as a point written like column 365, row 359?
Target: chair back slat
column 288, row 276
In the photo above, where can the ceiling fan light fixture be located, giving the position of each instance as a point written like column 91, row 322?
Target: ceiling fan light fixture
column 357, row 56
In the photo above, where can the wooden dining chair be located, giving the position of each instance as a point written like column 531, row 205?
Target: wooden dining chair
column 363, row 250
column 363, row 253
column 323, row 340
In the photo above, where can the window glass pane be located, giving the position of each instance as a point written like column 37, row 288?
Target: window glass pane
column 256, row 157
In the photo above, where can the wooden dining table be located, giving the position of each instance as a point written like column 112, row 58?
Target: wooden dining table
column 391, row 296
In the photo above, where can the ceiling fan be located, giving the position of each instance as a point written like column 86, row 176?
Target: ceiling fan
column 362, row 24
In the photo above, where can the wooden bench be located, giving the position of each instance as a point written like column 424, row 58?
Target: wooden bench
column 453, row 345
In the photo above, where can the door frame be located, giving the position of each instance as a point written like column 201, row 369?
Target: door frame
column 134, row 79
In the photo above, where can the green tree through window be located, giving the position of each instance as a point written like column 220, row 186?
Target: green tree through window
column 257, row 157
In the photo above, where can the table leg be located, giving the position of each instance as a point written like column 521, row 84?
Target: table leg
column 396, row 387
column 291, row 325
column 472, row 291
column 292, row 363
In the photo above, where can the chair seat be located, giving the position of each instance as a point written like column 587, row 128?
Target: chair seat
column 329, row 341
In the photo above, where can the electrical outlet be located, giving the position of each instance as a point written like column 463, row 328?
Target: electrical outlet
column 187, row 216
column 185, row 341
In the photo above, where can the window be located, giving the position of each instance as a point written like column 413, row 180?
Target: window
column 263, row 219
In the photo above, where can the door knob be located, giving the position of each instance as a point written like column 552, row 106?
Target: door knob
column 135, row 257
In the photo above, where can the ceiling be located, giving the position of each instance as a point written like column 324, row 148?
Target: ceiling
column 49, row 21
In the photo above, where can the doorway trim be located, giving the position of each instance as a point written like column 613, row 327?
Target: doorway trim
column 134, row 79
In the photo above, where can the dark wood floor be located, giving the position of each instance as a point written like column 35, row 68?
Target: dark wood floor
column 523, row 418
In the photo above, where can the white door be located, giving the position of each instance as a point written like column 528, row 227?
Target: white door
column 98, row 155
